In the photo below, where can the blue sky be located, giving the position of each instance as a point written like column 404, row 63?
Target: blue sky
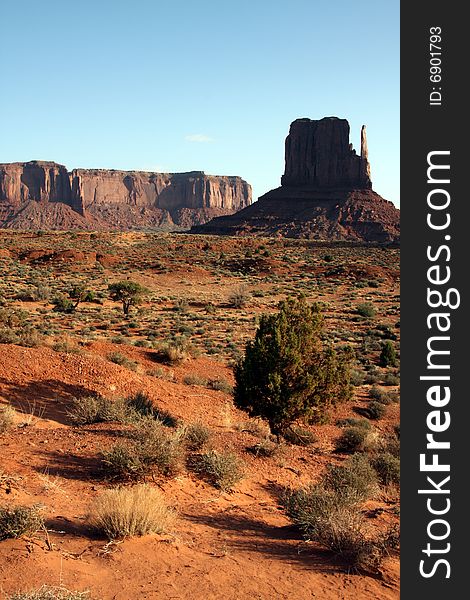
column 178, row 85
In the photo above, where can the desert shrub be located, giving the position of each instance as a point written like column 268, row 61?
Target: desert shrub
column 174, row 352
column 387, row 467
column 62, row 304
column 355, row 439
column 332, row 520
column 194, row 380
column 388, row 356
column 285, row 374
column 375, row 410
column 127, row 512
column 357, row 377
column 8, row 336
column 366, row 310
column 97, row 409
column 121, row 359
column 129, row 293
column 221, row 385
column 7, row 415
column 380, row 395
column 19, row 520
column 46, row 592
column 30, row 337
column 223, row 469
column 299, row 436
column 159, row 448
column 161, row 373
column 181, row 305
column 351, row 422
column 142, row 404
column 265, row 448
column 11, row 318
column 196, row 436
column 122, row 461
column 355, row 477
column 239, row 297
column 390, row 379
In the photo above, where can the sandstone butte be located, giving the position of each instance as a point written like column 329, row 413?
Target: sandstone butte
column 325, row 194
column 44, row 195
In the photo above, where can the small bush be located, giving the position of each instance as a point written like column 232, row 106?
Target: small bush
column 194, row 380
column 333, row 521
column 375, row 410
column 7, row 416
column 355, row 439
column 388, row 356
column 298, row 436
column 86, row 410
column 387, row 468
column 366, row 310
column 158, row 448
column 46, row 592
column 63, row 304
column 356, row 377
column 196, row 436
column 123, row 462
column 265, row 449
column 351, row 422
column 174, row 353
column 120, row 359
column 127, row 512
column 390, row 379
column 221, row 385
column 355, row 477
column 19, row 520
column 239, row 297
column 222, row 469
column 8, row 336
column 141, row 404
column 380, row 395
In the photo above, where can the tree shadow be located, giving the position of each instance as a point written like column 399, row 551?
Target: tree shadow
column 280, row 542
column 49, row 399
column 70, row 466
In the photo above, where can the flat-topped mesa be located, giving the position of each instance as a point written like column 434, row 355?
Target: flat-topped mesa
column 319, row 154
column 114, row 199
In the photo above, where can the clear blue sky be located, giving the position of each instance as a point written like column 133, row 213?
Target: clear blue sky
column 196, row 85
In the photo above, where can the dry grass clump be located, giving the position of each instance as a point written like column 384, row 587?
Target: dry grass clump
column 356, row 439
column 196, row 435
column 46, row 592
column 19, row 520
column 329, row 513
column 174, row 353
column 222, row 469
column 96, row 409
column 127, row 512
column 152, row 448
column 387, row 468
column 7, row 417
column 355, row 478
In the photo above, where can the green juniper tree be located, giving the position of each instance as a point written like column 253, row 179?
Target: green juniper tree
column 286, row 373
column 130, row 293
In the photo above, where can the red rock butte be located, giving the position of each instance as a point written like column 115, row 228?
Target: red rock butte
column 326, row 192
column 44, row 195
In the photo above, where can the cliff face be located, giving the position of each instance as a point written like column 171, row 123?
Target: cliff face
column 108, row 199
column 325, row 194
column 318, row 154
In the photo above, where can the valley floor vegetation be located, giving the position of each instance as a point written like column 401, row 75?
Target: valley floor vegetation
column 204, row 392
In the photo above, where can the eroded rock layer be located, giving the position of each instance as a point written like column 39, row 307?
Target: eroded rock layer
column 40, row 194
column 325, row 194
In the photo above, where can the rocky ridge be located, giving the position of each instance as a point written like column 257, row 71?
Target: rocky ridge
column 44, row 195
